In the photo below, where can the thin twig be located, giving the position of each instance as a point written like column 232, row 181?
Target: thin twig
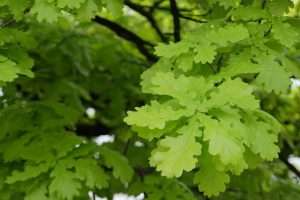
column 176, row 20
column 11, row 21
column 286, row 150
column 192, row 19
column 155, row 5
column 148, row 15
column 124, row 33
column 290, row 166
column 126, row 147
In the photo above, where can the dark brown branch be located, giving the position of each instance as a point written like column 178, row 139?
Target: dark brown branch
column 124, row 33
column 290, row 166
column 176, row 20
column 155, row 5
column 148, row 15
column 192, row 19
column 283, row 156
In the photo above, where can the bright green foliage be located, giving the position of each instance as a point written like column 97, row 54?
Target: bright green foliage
column 168, row 156
column 207, row 89
column 154, row 116
column 205, row 46
column 115, row 6
column 285, row 34
column 8, row 69
column 211, row 178
column 195, row 110
column 69, row 3
column 228, row 4
column 220, row 111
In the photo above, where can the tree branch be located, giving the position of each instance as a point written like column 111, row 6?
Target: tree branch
column 124, row 33
column 283, row 156
column 148, row 15
column 155, row 5
column 192, row 19
column 176, row 20
column 290, row 166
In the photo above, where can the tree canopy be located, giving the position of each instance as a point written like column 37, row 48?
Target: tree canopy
column 197, row 96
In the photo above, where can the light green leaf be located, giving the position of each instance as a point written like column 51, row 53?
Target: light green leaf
column 8, row 70
column 70, row 3
column 262, row 138
column 172, row 49
column 228, row 3
column 115, row 7
column 285, row 34
column 205, row 53
column 211, row 178
column 155, row 115
column 231, row 33
column 181, row 88
column 185, row 62
column 270, row 73
column 168, row 156
column 88, row 10
column 225, row 140
column 235, row 93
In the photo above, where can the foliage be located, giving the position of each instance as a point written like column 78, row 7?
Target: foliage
column 215, row 106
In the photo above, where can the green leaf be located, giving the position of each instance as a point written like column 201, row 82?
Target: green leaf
column 39, row 193
column 30, row 171
column 239, row 64
column 181, row 88
column 262, row 137
column 87, row 10
column 205, row 53
column 172, row 49
column 285, row 34
column 249, row 13
column 8, row 69
column 153, row 185
column 211, row 178
column 279, row 7
column 115, row 7
column 228, row 3
column 45, row 11
column 121, row 168
column 91, row 173
column 64, row 184
column 270, row 73
column 70, row 3
column 231, row 33
column 185, row 62
column 18, row 7
column 155, row 115
column 235, row 93
column 225, row 139
column 168, row 156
